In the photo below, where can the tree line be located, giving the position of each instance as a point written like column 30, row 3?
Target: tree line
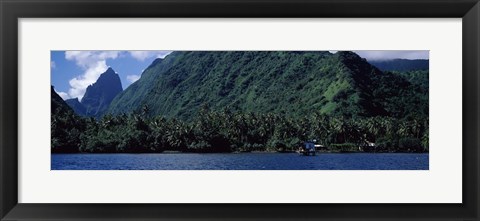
column 227, row 131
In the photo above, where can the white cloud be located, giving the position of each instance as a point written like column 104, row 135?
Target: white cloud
column 63, row 95
column 93, row 63
column 132, row 78
column 52, row 64
column 142, row 55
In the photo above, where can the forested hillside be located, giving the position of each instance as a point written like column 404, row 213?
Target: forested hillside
column 295, row 83
column 66, row 126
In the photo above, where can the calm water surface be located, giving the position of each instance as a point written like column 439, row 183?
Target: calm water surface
column 241, row 161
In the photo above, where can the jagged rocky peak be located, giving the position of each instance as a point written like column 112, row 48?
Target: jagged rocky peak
column 99, row 95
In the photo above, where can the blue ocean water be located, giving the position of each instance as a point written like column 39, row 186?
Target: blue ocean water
column 241, row 161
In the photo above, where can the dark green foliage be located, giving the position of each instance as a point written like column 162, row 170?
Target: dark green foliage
column 65, row 127
column 123, row 133
column 410, row 144
column 419, row 78
column 227, row 131
column 386, row 145
column 345, row 147
column 425, row 141
column 401, row 64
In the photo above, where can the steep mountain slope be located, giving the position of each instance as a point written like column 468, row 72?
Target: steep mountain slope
column 415, row 71
column 77, row 107
column 132, row 97
column 65, row 127
column 57, row 104
column 401, row 64
column 99, row 95
column 294, row 83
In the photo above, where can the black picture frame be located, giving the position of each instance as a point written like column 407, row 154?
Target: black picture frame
column 12, row 10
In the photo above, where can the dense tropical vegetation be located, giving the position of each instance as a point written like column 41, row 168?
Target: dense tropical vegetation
column 255, row 101
column 227, row 131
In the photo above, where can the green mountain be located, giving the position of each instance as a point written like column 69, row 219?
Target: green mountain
column 294, row 83
column 417, row 77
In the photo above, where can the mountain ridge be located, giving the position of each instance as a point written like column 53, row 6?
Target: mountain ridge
column 401, row 64
column 295, row 83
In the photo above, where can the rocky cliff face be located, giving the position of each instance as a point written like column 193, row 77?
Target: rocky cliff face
column 98, row 96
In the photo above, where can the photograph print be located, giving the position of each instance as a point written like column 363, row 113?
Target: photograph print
column 240, row 110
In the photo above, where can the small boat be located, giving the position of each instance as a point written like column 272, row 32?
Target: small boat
column 308, row 148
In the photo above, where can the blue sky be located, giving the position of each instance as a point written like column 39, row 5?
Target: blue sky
column 73, row 71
